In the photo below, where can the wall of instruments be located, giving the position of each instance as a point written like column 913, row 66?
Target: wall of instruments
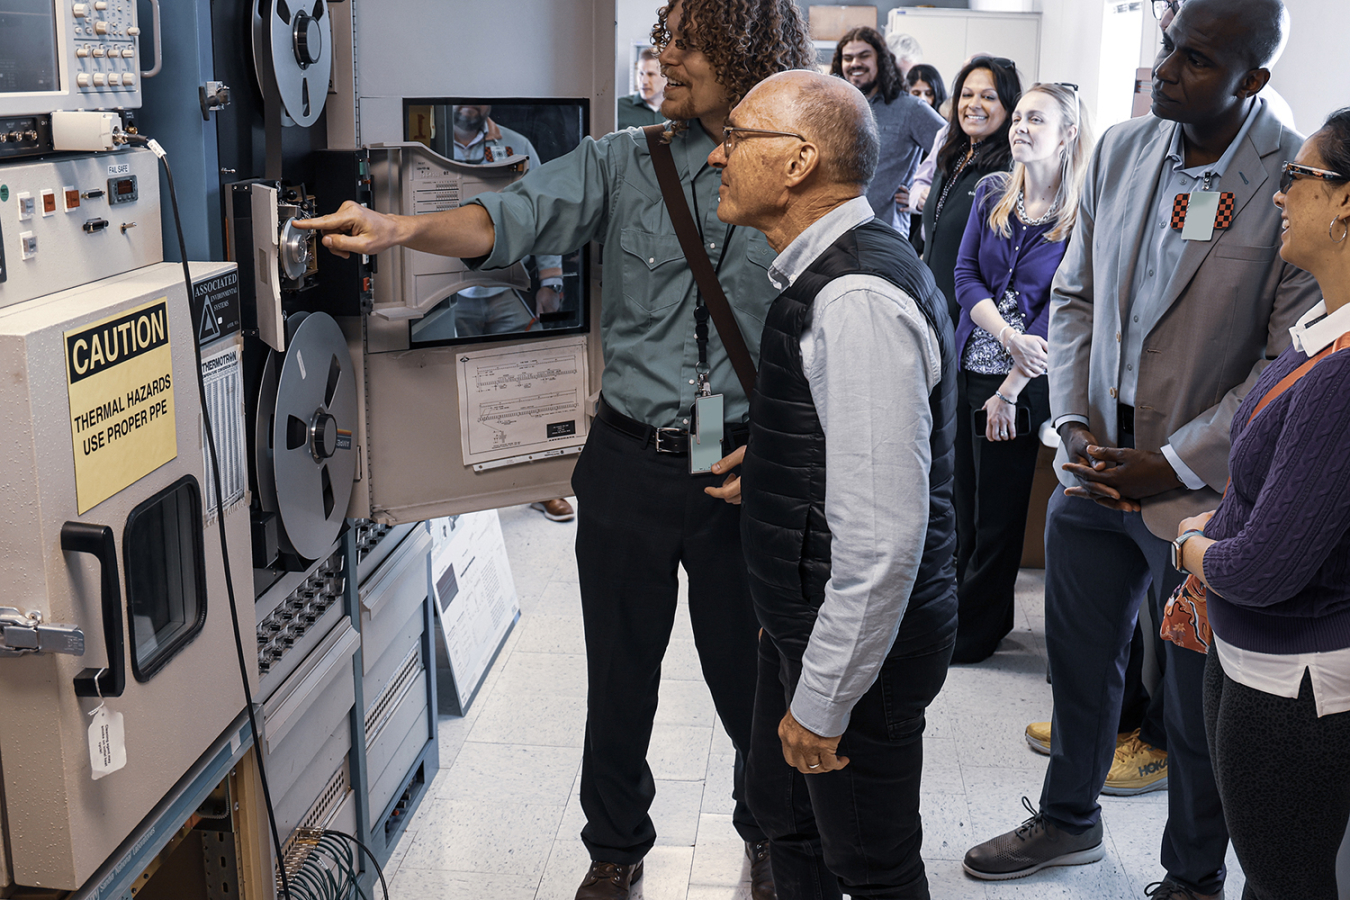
column 216, row 626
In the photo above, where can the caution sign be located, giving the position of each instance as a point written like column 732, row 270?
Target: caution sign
column 119, row 373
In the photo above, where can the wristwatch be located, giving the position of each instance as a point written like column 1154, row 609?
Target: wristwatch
column 1176, row 549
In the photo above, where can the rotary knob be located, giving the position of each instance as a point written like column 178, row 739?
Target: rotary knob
column 81, row 10
column 100, row 79
column 100, row 27
column 82, row 79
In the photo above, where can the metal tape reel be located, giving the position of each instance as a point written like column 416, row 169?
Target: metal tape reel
column 306, row 448
column 302, row 54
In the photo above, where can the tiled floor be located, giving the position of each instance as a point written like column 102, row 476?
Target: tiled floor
column 503, row 816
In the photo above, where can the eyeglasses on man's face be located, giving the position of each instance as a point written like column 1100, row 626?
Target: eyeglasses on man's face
column 1160, row 7
column 732, row 134
column 1291, row 172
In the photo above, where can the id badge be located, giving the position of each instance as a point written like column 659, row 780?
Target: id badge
column 1201, row 210
column 705, row 435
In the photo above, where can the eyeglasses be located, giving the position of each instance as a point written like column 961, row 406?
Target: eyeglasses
column 733, row 133
column 1001, row 61
column 1160, row 7
column 1291, row 172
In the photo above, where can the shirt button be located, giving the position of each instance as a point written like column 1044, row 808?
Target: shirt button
column 1129, row 367
column 685, row 421
column 1150, row 273
column 1136, row 318
column 1117, row 341
column 691, row 381
column 712, row 246
column 651, row 260
column 1113, row 393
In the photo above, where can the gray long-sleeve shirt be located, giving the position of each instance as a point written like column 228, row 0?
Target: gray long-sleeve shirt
column 871, row 360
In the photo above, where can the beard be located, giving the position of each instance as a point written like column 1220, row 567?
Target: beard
column 866, row 87
column 468, row 119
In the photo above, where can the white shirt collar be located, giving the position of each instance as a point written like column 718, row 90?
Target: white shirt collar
column 1316, row 330
column 816, row 239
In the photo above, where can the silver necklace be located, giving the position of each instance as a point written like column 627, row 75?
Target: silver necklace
column 1022, row 212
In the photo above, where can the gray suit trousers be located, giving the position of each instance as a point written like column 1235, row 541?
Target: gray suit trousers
column 1099, row 565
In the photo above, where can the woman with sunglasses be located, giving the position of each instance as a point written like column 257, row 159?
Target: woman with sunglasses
column 1275, row 557
column 985, row 92
column 1013, row 242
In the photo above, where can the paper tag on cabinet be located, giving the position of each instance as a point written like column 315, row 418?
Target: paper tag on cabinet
column 107, row 742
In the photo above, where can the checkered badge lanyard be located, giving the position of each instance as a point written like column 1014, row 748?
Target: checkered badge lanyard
column 1205, row 204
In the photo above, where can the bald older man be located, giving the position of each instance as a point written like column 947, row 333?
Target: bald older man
column 847, row 523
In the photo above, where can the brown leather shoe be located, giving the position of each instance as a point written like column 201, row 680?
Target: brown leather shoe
column 609, row 881
column 555, row 510
column 761, row 873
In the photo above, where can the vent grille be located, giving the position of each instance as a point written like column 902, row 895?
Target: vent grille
column 379, row 712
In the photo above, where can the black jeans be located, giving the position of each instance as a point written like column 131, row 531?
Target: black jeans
column 1098, row 567
column 1284, row 775
column 640, row 515
column 993, row 489
column 857, row 830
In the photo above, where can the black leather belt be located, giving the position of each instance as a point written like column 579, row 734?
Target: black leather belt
column 1125, row 419
column 670, row 441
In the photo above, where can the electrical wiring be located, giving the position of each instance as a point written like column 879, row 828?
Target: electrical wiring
column 141, row 140
column 379, row 871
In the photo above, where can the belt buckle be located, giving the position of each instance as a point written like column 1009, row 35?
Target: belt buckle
column 670, row 432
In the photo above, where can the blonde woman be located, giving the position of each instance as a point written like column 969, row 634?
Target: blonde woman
column 1015, row 237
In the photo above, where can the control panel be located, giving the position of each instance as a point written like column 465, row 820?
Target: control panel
column 296, row 621
column 24, row 136
column 69, row 221
column 70, row 56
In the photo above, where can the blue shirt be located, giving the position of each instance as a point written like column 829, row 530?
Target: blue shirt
column 606, row 191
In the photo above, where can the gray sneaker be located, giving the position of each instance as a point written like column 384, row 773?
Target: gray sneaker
column 1032, row 846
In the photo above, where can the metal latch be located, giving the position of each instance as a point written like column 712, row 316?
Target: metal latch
column 22, row 633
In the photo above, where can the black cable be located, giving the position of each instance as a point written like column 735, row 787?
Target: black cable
column 378, row 871
column 141, row 140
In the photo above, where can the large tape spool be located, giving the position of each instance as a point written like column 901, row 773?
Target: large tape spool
column 306, row 450
column 301, row 42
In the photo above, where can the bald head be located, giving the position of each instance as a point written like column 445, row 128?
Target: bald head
column 830, row 113
column 1259, row 29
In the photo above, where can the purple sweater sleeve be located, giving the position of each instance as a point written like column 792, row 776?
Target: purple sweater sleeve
column 1302, row 510
column 970, row 284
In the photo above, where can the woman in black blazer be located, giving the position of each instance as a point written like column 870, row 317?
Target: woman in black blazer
column 983, row 98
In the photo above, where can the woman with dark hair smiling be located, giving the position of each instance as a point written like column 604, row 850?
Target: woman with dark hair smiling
column 1275, row 561
column 985, row 92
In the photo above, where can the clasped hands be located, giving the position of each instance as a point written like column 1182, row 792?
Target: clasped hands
column 1115, row 477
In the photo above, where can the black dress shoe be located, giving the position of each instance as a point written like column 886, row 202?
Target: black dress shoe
column 761, row 873
column 609, row 881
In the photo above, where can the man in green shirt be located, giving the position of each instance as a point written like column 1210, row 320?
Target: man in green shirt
column 641, row 514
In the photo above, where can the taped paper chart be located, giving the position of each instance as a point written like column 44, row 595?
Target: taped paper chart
column 518, row 401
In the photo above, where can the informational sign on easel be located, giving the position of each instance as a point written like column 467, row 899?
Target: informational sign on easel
column 476, row 600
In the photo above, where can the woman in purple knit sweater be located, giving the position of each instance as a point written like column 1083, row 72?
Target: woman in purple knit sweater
column 1275, row 557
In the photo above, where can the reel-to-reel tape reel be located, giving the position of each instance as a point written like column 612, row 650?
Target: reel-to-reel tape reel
column 297, row 38
column 305, row 454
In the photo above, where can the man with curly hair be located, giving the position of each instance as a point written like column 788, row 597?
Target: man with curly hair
column 906, row 124
column 641, row 515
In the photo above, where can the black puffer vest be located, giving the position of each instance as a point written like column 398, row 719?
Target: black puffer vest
column 783, row 529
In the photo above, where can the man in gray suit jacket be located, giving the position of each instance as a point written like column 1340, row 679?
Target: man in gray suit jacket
column 1157, row 332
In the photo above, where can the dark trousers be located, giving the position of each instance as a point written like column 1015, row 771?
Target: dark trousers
column 1284, row 775
column 993, row 489
column 856, row 830
column 640, row 515
column 1099, row 564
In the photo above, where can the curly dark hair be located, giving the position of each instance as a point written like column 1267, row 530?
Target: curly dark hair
column 889, row 83
column 745, row 40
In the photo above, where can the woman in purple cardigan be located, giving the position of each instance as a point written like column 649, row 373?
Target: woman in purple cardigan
column 1275, row 557
column 1013, row 243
